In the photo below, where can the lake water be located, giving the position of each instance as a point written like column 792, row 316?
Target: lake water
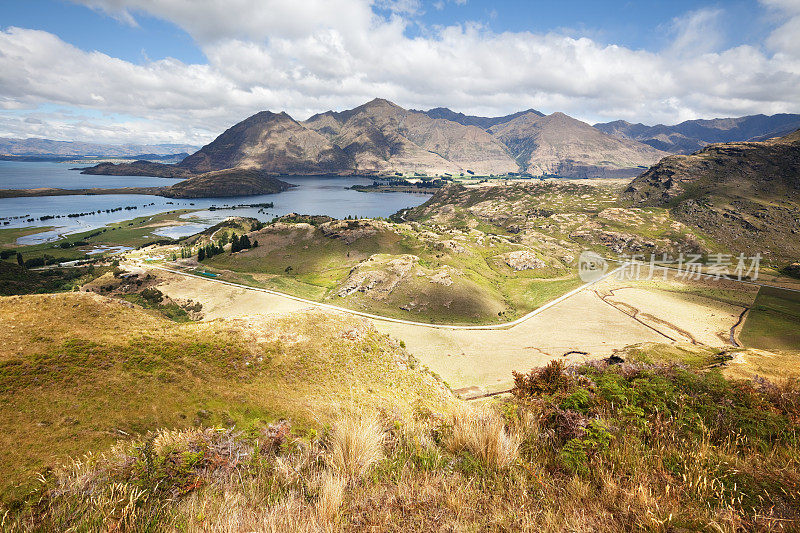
column 312, row 196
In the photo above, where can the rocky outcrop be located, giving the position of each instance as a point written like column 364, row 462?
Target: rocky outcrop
column 523, row 260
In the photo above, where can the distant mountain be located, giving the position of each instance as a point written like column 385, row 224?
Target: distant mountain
column 561, row 145
column 273, row 142
column 383, row 137
column 469, row 120
column 380, row 137
column 47, row 147
column 745, row 194
column 691, row 135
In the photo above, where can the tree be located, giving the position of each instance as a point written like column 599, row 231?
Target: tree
column 255, row 244
column 201, row 254
column 244, row 242
column 20, row 261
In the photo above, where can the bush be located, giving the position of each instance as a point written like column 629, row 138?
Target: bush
column 547, row 380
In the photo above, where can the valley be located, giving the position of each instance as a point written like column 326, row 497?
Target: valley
column 448, row 339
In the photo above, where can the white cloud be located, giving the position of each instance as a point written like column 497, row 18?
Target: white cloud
column 312, row 55
column 696, row 32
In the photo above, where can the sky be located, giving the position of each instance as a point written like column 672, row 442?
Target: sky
column 182, row 71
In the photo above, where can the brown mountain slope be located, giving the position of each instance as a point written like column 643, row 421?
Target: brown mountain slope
column 273, row 143
column 561, row 145
column 382, row 136
column 746, row 194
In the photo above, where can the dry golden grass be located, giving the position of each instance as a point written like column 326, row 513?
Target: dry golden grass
column 482, row 432
column 331, row 496
column 356, row 445
column 79, row 371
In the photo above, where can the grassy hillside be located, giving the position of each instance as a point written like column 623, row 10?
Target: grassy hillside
column 561, row 218
column 407, row 270
column 746, row 194
column 647, row 445
column 97, row 370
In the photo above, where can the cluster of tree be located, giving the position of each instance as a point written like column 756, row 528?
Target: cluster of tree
column 242, row 243
column 209, row 250
column 36, row 261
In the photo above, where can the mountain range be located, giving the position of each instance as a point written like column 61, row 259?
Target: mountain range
column 382, row 138
column 48, row 147
column 692, row 135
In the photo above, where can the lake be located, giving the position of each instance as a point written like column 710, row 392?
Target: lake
column 312, row 196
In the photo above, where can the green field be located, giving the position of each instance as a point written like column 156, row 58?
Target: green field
column 773, row 322
column 404, row 271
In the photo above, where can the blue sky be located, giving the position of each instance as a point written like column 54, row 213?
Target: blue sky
column 177, row 71
column 638, row 25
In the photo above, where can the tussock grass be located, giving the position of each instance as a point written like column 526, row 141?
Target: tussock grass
column 331, row 496
column 482, row 432
column 356, row 445
column 645, row 445
column 629, row 457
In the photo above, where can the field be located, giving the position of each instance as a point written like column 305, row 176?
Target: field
column 598, row 447
column 636, row 404
column 772, row 322
column 587, row 326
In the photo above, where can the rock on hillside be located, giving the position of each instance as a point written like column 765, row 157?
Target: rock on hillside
column 744, row 194
column 561, row 145
column 272, row 142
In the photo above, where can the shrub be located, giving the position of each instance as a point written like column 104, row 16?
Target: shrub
column 547, row 380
